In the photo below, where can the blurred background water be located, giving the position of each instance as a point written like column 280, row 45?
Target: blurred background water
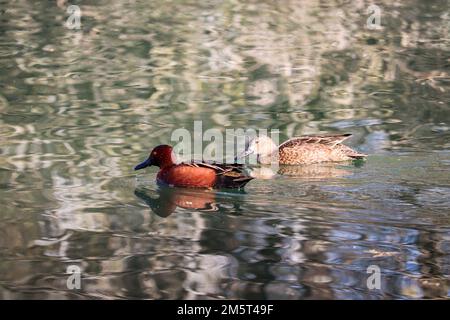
column 79, row 108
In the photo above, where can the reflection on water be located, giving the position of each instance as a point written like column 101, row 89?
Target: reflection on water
column 312, row 171
column 79, row 108
column 170, row 199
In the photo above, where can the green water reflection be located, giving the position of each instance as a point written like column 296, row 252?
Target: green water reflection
column 78, row 108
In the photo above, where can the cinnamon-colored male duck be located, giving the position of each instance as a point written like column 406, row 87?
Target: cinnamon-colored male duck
column 302, row 150
column 194, row 174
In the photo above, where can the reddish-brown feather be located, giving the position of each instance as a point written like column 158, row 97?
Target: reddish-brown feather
column 187, row 176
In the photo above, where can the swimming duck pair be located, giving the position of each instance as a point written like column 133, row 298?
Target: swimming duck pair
column 296, row 151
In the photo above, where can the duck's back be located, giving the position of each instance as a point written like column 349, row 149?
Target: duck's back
column 316, row 149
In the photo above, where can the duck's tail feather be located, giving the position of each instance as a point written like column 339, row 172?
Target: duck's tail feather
column 351, row 153
column 354, row 154
column 357, row 155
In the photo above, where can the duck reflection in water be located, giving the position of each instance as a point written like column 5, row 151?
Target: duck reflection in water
column 165, row 200
column 312, row 171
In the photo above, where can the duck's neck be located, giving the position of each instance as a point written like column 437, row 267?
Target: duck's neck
column 167, row 161
column 166, row 165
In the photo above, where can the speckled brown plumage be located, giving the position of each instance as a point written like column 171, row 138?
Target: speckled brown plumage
column 315, row 149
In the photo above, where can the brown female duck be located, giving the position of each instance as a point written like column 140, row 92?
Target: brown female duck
column 302, row 150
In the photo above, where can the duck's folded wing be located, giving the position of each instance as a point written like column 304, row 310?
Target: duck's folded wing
column 220, row 168
column 330, row 140
column 228, row 175
column 232, row 179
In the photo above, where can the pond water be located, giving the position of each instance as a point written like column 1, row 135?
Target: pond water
column 79, row 108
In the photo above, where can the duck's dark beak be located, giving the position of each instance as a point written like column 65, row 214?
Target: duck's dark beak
column 144, row 164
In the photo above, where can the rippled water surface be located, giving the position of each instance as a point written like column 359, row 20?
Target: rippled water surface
column 79, row 108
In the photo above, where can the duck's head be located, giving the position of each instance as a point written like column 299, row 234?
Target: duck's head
column 161, row 156
column 262, row 146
